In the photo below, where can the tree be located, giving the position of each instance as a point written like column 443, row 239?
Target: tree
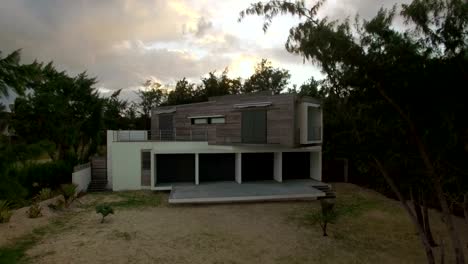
column 184, row 93
column 266, row 78
column 61, row 109
column 13, row 75
column 150, row 98
column 218, row 86
column 389, row 82
column 114, row 111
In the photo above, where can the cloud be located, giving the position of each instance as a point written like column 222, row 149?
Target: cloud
column 125, row 42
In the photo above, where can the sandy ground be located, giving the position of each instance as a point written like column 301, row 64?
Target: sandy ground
column 20, row 224
column 235, row 233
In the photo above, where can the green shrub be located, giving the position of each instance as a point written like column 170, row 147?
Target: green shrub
column 104, row 210
column 69, row 193
column 44, row 194
column 328, row 215
column 34, row 211
column 5, row 213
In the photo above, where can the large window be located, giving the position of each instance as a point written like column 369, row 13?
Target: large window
column 254, row 126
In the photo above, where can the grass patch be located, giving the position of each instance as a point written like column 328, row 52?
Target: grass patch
column 137, row 199
column 16, row 253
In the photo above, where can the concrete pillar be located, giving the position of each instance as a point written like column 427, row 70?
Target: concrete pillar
column 153, row 169
column 238, row 168
column 110, row 141
column 316, row 165
column 197, row 175
column 278, row 167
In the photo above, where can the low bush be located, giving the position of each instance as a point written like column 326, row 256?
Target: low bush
column 5, row 213
column 69, row 193
column 104, row 210
column 34, row 211
column 44, row 194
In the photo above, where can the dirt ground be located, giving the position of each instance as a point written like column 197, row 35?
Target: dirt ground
column 378, row 231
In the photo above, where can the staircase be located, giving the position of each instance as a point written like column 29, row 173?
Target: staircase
column 329, row 192
column 98, row 174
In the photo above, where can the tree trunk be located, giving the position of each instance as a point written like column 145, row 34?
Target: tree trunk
column 427, row 225
column 417, row 208
column 434, row 178
column 324, row 229
column 465, row 208
column 419, row 228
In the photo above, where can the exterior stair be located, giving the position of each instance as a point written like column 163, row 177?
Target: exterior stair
column 98, row 174
column 330, row 193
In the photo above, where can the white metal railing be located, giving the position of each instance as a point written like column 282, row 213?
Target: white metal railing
column 198, row 134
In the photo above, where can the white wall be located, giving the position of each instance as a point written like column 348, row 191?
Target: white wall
column 82, row 178
column 124, row 158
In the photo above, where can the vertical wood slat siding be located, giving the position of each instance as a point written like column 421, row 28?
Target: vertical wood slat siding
column 281, row 128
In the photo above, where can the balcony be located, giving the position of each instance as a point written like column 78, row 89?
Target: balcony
column 198, row 134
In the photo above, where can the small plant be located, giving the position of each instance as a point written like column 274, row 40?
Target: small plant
column 69, row 193
column 34, row 211
column 104, row 210
column 5, row 213
column 327, row 215
column 44, row 194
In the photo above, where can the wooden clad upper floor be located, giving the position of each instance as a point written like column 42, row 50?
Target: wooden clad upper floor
column 259, row 118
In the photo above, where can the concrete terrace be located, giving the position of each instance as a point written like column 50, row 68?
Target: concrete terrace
column 222, row 192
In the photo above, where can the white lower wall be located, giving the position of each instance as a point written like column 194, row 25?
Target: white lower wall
column 124, row 159
column 82, row 178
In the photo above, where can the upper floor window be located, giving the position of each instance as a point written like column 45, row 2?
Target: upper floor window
column 203, row 120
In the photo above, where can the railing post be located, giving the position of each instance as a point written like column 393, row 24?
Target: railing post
column 175, row 134
column 191, row 137
column 160, row 135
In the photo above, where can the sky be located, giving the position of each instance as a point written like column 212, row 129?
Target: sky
column 125, row 42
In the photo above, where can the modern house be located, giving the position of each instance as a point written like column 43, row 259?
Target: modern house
column 232, row 139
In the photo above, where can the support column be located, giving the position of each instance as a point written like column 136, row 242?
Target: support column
column 197, row 175
column 278, row 167
column 316, row 165
column 153, row 169
column 238, row 168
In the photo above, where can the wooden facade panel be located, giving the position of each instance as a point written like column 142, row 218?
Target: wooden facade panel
column 280, row 118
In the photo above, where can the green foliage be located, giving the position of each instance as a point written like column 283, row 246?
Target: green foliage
column 184, row 93
column 56, row 97
column 137, row 199
column 328, row 215
column 34, row 211
column 151, row 97
column 5, row 213
column 267, row 78
column 20, row 182
column 218, row 86
column 69, row 193
column 13, row 75
column 44, row 194
column 104, row 210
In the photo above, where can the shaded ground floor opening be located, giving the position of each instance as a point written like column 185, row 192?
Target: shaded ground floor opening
column 257, row 166
column 296, row 165
column 175, row 168
column 217, row 167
